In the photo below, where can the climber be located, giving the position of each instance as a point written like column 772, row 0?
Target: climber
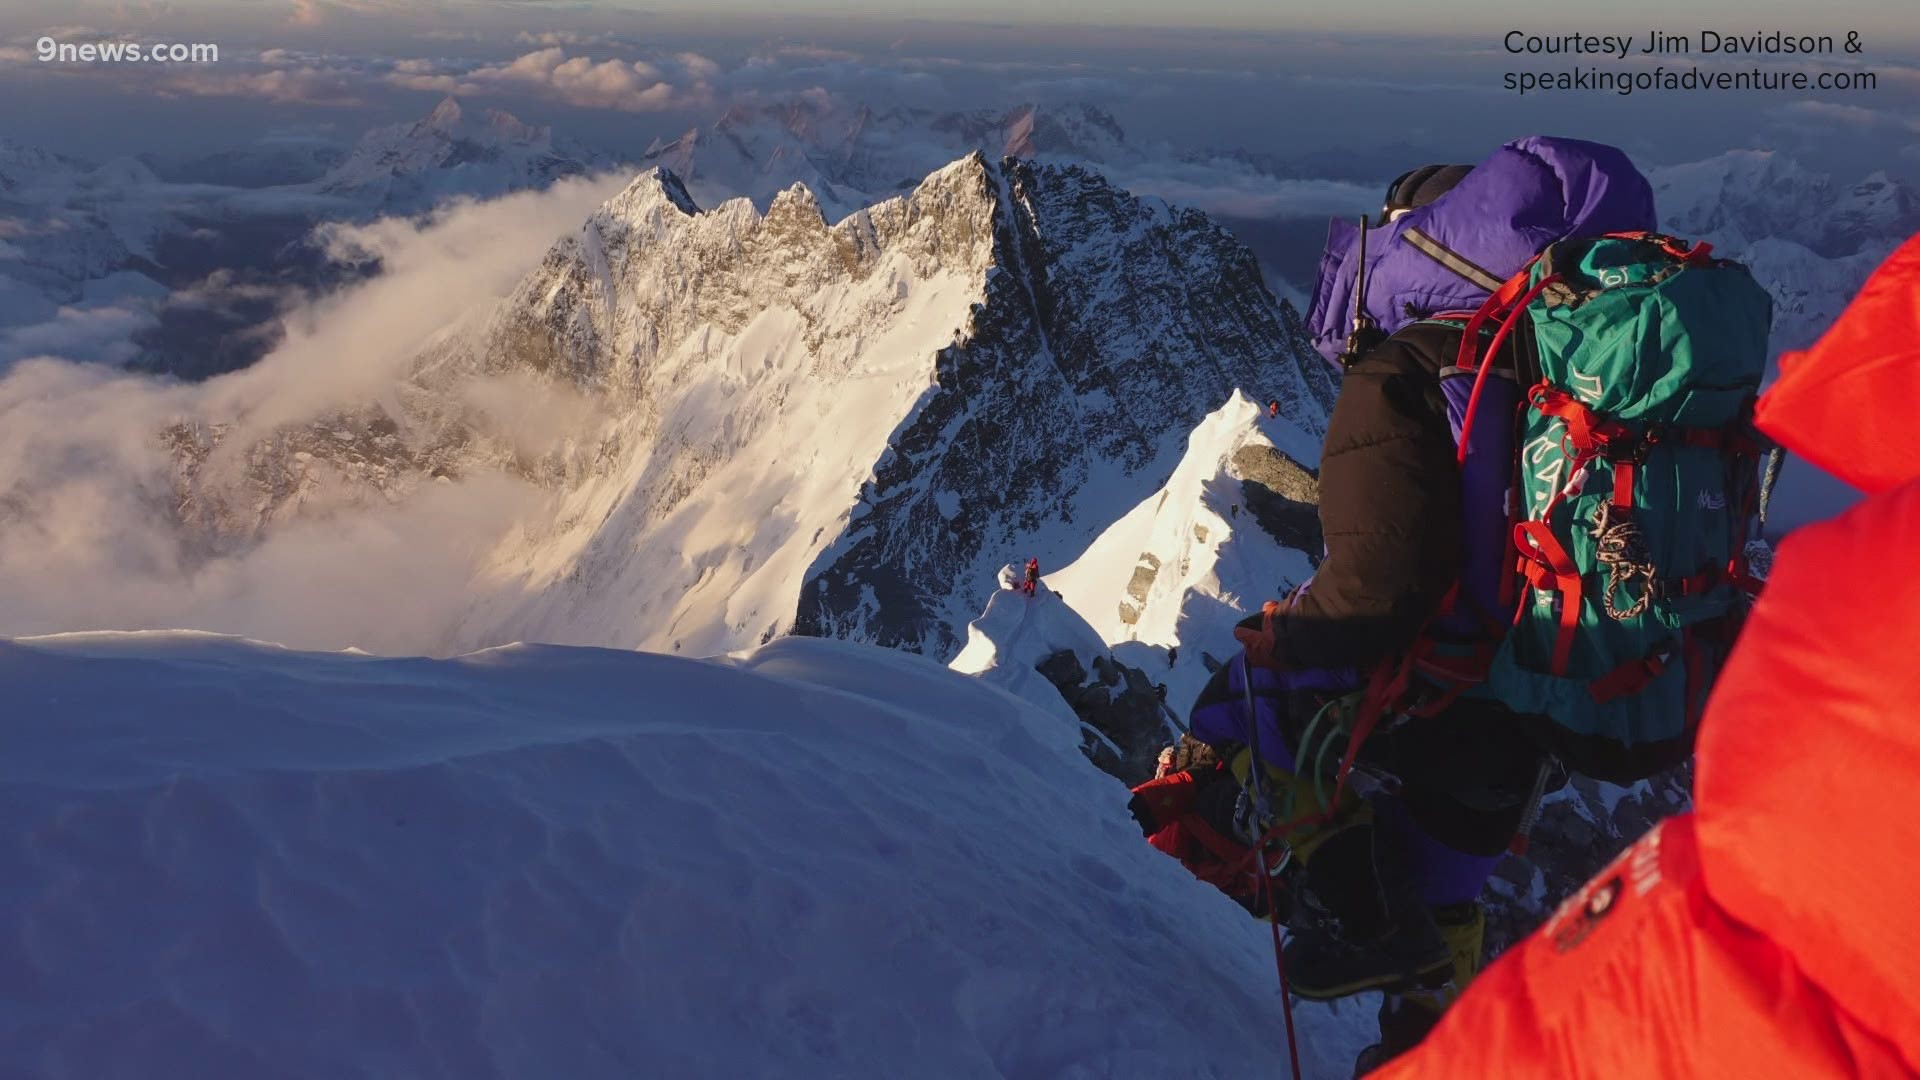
column 1033, row 576
column 1273, row 410
column 1386, row 896
column 1767, row 933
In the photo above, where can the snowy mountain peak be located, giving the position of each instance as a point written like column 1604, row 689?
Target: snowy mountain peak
column 651, row 192
column 838, row 430
column 445, row 116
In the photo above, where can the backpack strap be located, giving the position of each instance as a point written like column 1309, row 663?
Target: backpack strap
column 1504, row 305
column 1693, row 253
column 1548, row 568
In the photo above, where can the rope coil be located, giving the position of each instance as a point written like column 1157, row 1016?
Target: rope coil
column 1622, row 548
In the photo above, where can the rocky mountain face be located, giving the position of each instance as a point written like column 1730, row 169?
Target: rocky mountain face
column 1110, row 327
column 1122, row 714
column 1582, row 828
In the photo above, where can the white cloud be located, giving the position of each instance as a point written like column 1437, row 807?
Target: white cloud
column 627, row 85
column 572, row 38
column 1822, row 116
column 1225, row 189
column 91, row 333
column 89, row 533
column 815, row 53
column 305, row 85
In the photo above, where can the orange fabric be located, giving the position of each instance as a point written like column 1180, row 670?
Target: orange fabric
column 1809, row 763
column 1849, row 403
column 1776, row 931
column 1641, row 977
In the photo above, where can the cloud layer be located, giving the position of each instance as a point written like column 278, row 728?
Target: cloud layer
column 90, row 494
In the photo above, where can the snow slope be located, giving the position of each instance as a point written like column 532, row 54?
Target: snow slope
column 1182, row 566
column 819, row 859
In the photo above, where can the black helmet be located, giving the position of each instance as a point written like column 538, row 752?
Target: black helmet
column 1416, row 188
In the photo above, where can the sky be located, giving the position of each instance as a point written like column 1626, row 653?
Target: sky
column 1276, row 78
column 1880, row 17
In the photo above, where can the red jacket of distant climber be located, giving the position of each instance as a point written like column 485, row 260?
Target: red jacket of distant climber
column 1776, row 930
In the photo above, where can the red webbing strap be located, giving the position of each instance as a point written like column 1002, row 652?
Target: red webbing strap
column 1550, row 568
column 1693, row 253
column 1471, row 336
column 1587, row 431
column 1227, row 851
column 1623, row 485
column 1503, row 298
column 1703, row 582
column 1631, row 677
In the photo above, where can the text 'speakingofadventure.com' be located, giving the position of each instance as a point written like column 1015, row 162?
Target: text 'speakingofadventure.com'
column 1631, row 52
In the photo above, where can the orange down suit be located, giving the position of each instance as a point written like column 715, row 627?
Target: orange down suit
column 1775, row 931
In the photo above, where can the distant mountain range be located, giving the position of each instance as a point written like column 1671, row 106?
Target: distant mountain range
column 119, row 238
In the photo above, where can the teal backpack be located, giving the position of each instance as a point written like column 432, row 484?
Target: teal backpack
column 1607, row 525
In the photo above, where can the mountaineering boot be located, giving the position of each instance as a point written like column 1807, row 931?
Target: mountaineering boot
column 1406, row 1018
column 1374, row 932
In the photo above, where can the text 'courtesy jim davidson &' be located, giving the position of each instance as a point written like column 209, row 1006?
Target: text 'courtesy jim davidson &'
column 1698, row 60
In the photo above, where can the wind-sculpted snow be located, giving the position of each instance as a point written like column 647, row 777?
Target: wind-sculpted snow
column 230, row 860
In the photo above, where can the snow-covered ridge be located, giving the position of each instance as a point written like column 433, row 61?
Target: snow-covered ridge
column 790, row 425
column 818, row 859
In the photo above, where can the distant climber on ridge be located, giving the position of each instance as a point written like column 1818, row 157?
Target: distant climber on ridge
column 1418, row 663
column 1033, row 576
column 1273, row 410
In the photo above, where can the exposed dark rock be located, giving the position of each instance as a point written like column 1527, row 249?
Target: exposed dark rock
column 1137, row 586
column 1277, row 473
column 1120, row 703
column 1282, row 495
column 1062, row 669
column 1577, row 835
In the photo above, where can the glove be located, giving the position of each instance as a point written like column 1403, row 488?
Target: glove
column 1259, row 636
